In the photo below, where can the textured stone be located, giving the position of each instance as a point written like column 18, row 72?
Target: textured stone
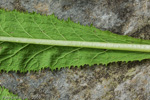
column 117, row 81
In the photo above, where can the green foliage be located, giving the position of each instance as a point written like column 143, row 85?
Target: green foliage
column 6, row 95
column 27, row 57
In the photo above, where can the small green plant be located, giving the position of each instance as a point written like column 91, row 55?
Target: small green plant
column 6, row 95
column 30, row 42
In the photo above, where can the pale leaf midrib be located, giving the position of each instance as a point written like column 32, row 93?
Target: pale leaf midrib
column 96, row 45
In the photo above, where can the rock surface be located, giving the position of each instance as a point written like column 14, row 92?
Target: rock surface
column 117, row 81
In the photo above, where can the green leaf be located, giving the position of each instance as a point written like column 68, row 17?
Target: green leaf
column 28, row 55
column 6, row 95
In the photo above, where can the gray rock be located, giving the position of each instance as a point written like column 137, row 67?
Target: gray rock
column 117, row 81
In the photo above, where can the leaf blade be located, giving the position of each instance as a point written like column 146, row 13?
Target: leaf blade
column 26, row 57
